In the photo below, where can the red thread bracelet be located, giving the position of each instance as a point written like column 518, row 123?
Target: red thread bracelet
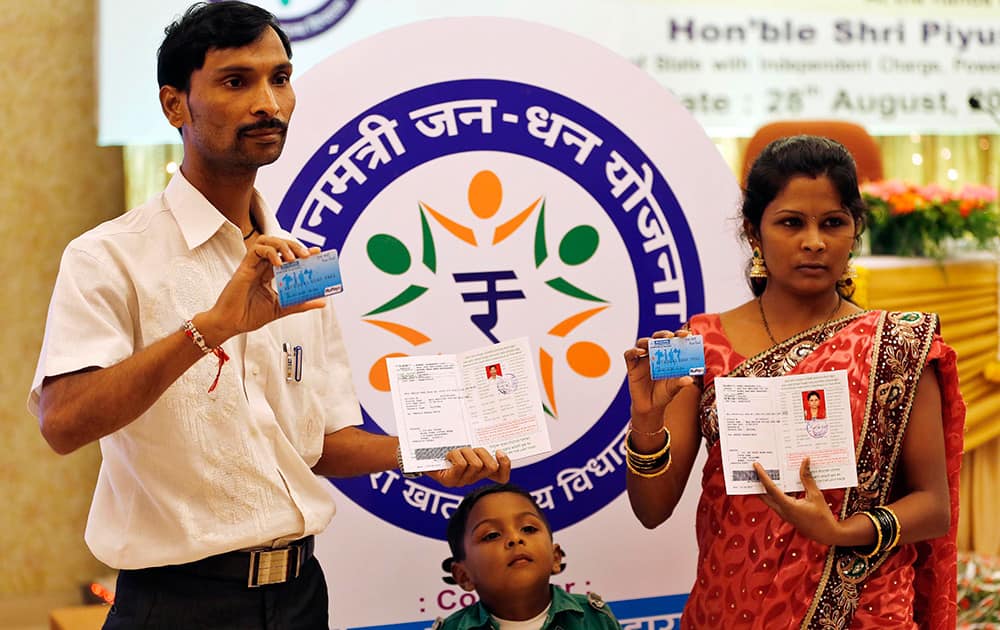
column 196, row 336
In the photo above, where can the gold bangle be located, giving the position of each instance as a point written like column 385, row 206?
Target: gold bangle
column 649, row 475
column 632, row 429
column 645, row 456
column 878, row 542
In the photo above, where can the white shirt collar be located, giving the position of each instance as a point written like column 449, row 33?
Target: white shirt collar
column 199, row 220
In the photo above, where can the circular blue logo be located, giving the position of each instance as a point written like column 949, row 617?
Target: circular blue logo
column 423, row 125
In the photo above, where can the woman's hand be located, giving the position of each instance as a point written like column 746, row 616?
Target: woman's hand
column 649, row 397
column 670, row 403
column 810, row 515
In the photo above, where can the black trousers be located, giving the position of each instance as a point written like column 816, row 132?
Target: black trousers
column 170, row 598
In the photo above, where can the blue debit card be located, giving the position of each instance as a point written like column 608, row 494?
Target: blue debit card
column 676, row 356
column 305, row 279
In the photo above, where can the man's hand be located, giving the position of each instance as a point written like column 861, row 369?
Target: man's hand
column 469, row 465
column 810, row 515
column 248, row 302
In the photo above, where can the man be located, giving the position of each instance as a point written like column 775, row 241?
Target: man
column 164, row 340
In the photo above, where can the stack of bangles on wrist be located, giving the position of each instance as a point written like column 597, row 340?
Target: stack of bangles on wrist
column 647, row 465
column 886, row 531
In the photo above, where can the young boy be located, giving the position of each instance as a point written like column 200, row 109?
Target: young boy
column 502, row 548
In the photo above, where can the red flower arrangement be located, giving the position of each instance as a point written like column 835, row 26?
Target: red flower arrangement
column 978, row 592
column 910, row 220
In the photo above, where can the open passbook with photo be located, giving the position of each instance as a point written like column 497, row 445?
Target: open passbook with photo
column 779, row 421
column 485, row 397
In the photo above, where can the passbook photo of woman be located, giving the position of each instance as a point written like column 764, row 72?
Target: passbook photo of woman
column 814, row 404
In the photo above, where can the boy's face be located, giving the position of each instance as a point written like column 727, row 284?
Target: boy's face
column 509, row 552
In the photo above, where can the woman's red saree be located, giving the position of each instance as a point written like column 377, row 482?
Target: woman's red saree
column 754, row 570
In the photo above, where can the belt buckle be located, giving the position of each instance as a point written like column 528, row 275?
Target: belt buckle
column 273, row 566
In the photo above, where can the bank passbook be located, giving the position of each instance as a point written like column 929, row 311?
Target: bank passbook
column 305, row 279
column 676, row 356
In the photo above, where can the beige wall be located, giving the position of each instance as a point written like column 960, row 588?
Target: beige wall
column 54, row 184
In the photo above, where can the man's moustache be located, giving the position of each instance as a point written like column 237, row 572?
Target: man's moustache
column 272, row 123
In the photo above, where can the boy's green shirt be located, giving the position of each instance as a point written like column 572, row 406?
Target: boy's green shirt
column 567, row 612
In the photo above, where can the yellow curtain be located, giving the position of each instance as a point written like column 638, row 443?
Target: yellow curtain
column 944, row 160
column 148, row 169
column 980, row 506
column 917, row 158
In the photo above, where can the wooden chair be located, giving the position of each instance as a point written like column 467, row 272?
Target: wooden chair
column 862, row 146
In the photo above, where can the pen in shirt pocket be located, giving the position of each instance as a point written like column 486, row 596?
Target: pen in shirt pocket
column 293, row 362
column 297, row 356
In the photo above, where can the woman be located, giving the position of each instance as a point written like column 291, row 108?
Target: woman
column 878, row 555
column 812, row 410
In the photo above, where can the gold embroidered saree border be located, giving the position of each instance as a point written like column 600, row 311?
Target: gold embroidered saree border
column 901, row 344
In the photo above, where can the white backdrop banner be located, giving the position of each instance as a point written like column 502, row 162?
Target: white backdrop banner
column 507, row 180
column 895, row 66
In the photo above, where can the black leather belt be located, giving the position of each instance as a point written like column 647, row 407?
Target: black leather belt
column 258, row 567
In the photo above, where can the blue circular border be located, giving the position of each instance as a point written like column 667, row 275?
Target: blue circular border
column 312, row 24
column 511, row 97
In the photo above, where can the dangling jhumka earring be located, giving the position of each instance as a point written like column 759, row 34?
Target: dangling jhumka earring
column 850, row 273
column 757, row 267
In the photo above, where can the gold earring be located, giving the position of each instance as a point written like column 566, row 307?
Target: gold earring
column 850, row 273
column 757, row 267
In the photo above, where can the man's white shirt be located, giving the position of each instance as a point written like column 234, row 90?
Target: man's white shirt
column 199, row 473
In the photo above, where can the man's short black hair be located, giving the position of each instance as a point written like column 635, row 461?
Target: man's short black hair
column 460, row 518
column 206, row 26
